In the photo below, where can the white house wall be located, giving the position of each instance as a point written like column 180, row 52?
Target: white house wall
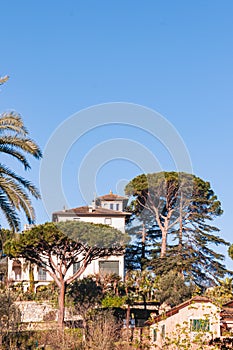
column 117, row 222
column 193, row 311
column 92, row 268
column 112, row 205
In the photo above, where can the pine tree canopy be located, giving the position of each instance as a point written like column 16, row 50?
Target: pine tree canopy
column 176, row 211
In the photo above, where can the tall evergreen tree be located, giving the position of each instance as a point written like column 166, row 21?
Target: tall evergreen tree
column 178, row 209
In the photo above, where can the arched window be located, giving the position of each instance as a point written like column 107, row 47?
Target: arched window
column 17, row 270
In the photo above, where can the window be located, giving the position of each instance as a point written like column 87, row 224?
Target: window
column 41, row 274
column 154, row 335
column 17, row 271
column 163, row 331
column 200, row 325
column 111, row 206
column 76, row 266
column 108, row 267
column 117, row 206
column 108, row 221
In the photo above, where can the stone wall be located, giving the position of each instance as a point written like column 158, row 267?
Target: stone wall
column 37, row 312
column 32, row 311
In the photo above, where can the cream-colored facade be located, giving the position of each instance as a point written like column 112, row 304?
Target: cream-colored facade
column 114, row 221
column 194, row 319
column 18, row 271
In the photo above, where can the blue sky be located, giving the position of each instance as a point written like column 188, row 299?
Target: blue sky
column 171, row 56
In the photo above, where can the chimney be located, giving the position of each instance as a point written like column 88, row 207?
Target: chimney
column 92, row 207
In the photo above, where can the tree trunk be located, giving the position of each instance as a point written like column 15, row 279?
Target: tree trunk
column 181, row 224
column 127, row 321
column 180, row 246
column 143, row 257
column 181, row 235
column 31, row 278
column 61, row 303
column 164, row 244
column 144, row 301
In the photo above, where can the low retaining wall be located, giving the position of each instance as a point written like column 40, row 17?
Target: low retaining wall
column 40, row 312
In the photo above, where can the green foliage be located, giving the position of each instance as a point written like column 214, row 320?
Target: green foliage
column 141, row 286
column 66, row 241
column 94, row 235
column 172, row 289
column 4, row 236
column 46, row 339
column 111, row 301
column 57, row 247
column 85, row 293
column 176, row 210
column 48, row 293
column 182, row 338
column 222, row 293
column 10, row 318
column 230, row 251
column 9, row 314
column 15, row 191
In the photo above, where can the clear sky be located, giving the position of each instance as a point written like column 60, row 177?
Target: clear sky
column 175, row 57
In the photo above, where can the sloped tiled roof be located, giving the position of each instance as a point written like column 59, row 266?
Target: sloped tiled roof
column 229, row 304
column 89, row 211
column 112, row 197
column 227, row 311
column 176, row 309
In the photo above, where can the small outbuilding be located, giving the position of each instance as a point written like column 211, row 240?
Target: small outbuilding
column 197, row 319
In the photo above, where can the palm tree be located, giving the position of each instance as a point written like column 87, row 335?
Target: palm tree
column 15, row 191
column 3, row 79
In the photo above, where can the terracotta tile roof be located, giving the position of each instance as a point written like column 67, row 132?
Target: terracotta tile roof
column 176, row 309
column 112, row 197
column 227, row 310
column 227, row 313
column 89, row 211
column 229, row 304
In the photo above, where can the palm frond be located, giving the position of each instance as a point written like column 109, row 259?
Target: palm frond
column 17, row 197
column 3, row 79
column 25, row 144
column 9, row 212
column 16, row 154
column 15, row 191
column 12, row 121
column 25, row 183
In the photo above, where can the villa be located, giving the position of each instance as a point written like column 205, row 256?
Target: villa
column 109, row 210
